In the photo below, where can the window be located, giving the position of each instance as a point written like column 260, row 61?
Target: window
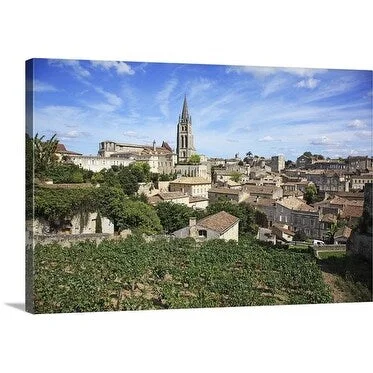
column 202, row 233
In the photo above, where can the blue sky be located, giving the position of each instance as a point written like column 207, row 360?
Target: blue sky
column 234, row 109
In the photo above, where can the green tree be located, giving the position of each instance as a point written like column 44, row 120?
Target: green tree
column 310, row 194
column 140, row 216
column 195, row 159
column 235, row 176
column 331, row 232
column 128, row 181
column 243, row 211
column 141, row 171
column 66, row 173
column 174, row 216
column 300, row 235
column 44, row 154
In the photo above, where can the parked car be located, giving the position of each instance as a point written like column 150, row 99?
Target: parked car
column 318, row 243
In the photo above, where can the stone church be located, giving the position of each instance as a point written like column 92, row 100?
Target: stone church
column 185, row 144
column 162, row 159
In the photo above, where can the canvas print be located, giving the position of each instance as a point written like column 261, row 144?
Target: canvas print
column 156, row 186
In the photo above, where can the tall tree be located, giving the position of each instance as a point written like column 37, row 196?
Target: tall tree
column 44, row 154
column 174, row 216
column 195, row 159
column 310, row 193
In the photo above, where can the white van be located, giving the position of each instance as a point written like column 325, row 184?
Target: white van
column 318, row 243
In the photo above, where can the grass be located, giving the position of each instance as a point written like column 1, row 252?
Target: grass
column 352, row 274
column 331, row 254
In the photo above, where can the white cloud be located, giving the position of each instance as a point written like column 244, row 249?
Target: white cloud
column 111, row 98
column 267, row 138
column 363, row 134
column 262, row 72
column 74, row 65
column 163, row 97
column 309, row 83
column 357, row 123
column 323, row 140
column 121, row 68
column 71, row 135
column 199, row 86
column 273, row 86
column 39, row 86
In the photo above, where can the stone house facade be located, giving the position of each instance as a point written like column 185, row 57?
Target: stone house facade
column 233, row 195
column 194, row 186
column 218, row 226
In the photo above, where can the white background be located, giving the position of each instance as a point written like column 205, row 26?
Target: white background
column 265, row 33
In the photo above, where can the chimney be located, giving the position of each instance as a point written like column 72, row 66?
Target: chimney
column 193, row 227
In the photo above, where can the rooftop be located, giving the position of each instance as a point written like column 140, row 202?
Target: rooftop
column 219, row 222
column 225, row 191
column 190, row 180
column 295, row 203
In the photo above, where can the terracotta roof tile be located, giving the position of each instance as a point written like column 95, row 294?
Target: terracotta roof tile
column 190, row 180
column 219, row 222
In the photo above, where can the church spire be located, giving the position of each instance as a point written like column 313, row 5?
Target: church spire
column 185, row 114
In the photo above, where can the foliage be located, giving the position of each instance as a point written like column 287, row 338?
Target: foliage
column 310, row 193
column 353, row 275
column 138, row 215
column 44, row 154
column 132, row 274
column 57, row 204
column 195, row 159
column 331, row 232
column 317, row 156
column 54, row 204
column 29, row 176
column 141, row 171
column 235, row 176
column 128, row 180
column 67, row 173
column 300, row 235
column 174, row 216
column 249, row 217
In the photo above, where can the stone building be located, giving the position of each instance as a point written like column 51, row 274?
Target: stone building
column 268, row 191
column 218, row 226
column 360, row 241
column 305, row 161
column 328, row 181
column 61, row 152
column 161, row 159
column 97, row 163
column 73, row 226
column 194, row 186
column 277, row 163
column 185, row 143
column 360, row 163
column 174, row 197
column 358, row 182
column 233, row 195
column 192, row 170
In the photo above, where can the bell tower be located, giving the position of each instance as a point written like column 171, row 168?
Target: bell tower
column 185, row 143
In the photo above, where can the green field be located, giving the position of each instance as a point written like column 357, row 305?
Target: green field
column 133, row 275
column 331, row 254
